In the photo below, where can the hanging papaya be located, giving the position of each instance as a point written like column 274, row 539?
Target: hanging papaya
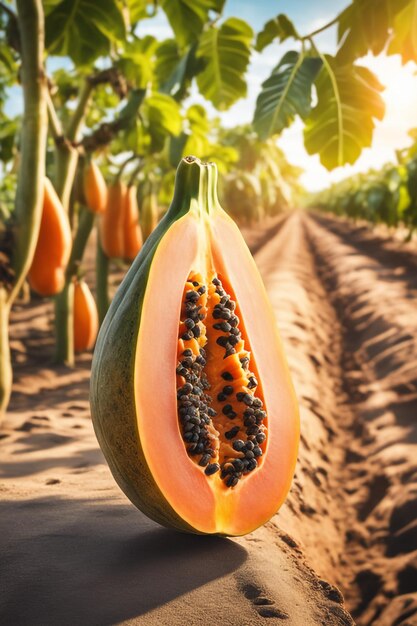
column 95, row 189
column 85, row 317
column 112, row 221
column 53, row 248
column 191, row 398
column 132, row 232
column 148, row 214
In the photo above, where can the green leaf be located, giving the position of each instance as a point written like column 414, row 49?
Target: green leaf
column 286, row 93
column 226, row 53
column 174, row 71
column 7, row 59
column 162, row 118
column 83, row 29
column 280, row 28
column 137, row 60
column 8, row 130
column 404, row 40
column 138, row 9
column 188, row 17
column 342, row 122
column 365, row 26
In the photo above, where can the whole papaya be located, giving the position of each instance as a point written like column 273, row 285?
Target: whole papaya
column 132, row 232
column 112, row 221
column 95, row 188
column 53, row 248
column 85, row 317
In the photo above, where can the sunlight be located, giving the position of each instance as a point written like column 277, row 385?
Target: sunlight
column 391, row 134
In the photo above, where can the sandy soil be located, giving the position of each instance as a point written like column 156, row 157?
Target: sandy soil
column 75, row 551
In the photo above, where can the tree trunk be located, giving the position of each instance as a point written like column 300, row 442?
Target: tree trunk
column 5, row 363
column 102, row 276
column 64, row 315
column 66, row 160
column 29, row 192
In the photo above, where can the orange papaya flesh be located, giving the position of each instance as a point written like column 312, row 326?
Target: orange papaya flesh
column 234, row 396
column 53, row 248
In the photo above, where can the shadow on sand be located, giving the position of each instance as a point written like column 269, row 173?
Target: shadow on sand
column 86, row 562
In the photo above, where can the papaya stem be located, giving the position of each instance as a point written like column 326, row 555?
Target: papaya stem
column 134, row 174
column 78, row 116
column 121, row 169
column 29, row 192
column 64, row 325
column 85, row 225
column 102, row 275
column 64, row 316
column 66, row 165
column 5, row 360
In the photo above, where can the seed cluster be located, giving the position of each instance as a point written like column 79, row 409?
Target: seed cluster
column 235, row 449
column 194, row 408
column 249, row 450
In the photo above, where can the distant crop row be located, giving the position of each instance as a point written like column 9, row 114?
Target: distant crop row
column 387, row 196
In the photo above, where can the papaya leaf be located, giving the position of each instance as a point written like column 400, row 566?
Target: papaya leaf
column 131, row 108
column 176, row 148
column 365, row 26
column 175, row 71
column 162, row 118
column 7, row 59
column 286, row 93
column 136, row 62
column 279, row 28
column 226, row 53
column 138, row 9
column 342, row 122
column 404, row 40
column 8, row 132
column 188, row 17
column 83, row 29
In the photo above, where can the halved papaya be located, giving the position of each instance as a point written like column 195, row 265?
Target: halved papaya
column 191, row 398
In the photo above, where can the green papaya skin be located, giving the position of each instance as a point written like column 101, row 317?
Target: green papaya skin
column 112, row 394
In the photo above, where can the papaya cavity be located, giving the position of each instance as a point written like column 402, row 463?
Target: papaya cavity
column 220, row 410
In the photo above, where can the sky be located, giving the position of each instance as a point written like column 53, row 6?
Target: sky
column 400, row 83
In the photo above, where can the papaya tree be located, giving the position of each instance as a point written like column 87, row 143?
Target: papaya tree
column 341, row 121
column 112, row 83
column 19, row 232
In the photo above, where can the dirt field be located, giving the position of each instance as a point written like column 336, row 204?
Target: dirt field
column 74, row 551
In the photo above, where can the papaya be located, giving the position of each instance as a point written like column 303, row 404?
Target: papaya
column 53, row 248
column 191, row 398
column 95, row 189
column 112, row 221
column 85, row 317
column 132, row 232
column 148, row 214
